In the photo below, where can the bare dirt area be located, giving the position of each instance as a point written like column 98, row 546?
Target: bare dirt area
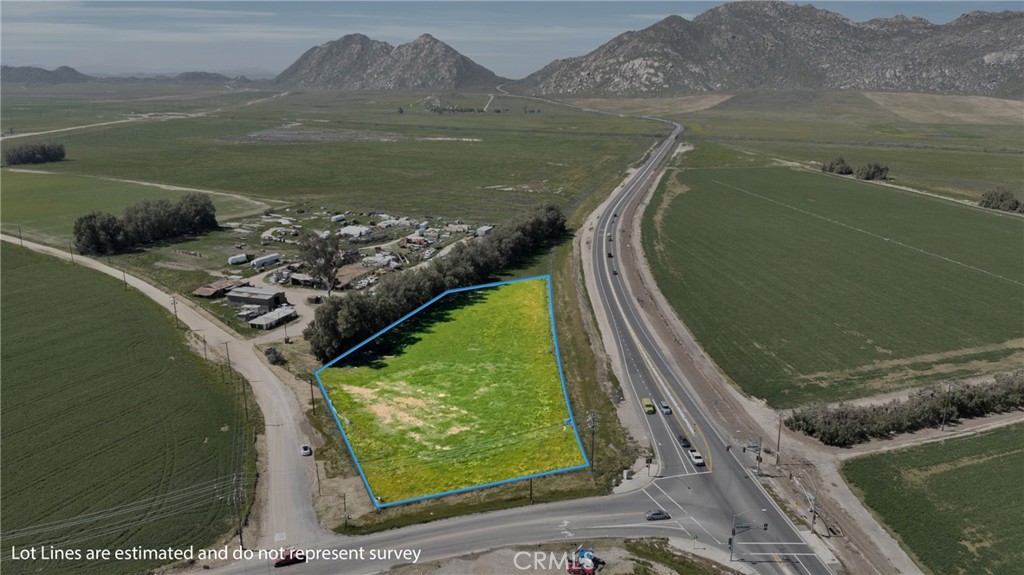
column 936, row 109
column 292, row 133
column 653, row 106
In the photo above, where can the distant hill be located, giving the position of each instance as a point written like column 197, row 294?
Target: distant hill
column 34, row 75
column 776, row 45
column 202, row 78
column 358, row 63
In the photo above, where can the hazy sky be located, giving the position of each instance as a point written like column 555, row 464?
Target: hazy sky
column 513, row 39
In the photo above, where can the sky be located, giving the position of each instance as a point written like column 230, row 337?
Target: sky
column 260, row 39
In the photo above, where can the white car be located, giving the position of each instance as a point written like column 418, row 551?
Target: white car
column 696, row 458
column 305, row 450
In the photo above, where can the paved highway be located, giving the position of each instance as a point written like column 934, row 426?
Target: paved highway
column 725, row 492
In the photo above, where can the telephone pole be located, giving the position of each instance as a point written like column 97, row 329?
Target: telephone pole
column 174, row 304
column 593, row 422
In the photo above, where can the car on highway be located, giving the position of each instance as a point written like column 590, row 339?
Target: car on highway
column 290, row 557
column 615, row 272
column 683, row 440
column 648, row 405
column 609, row 254
column 305, row 450
column 657, row 515
column 696, row 458
column 665, row 408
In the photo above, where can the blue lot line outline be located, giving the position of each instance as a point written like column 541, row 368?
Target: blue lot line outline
column 561, row 376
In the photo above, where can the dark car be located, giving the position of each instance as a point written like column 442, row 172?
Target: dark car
column 609, row 254
column 290, row 557
column 657, row 515
column 683, row 440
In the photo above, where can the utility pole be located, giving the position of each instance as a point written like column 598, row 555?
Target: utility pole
column 778, row 442
column 593, row 422
column 312, row 401
column 238, row 511
column 174, row 304
column 757, row 471
column 228, row 352
column 20, row 239
column 71, row 250
column 245, row 398
column 204, row 348
column 531, row 491
column 124, row 276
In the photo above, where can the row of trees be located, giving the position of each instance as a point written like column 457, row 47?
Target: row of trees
column 999, row 198
column 869, row 171
column 342, row 322
column 145, row 222
column 34, row 154
column 847, row 425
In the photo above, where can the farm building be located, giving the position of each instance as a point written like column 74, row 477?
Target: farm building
column 274, row 318
column 338, row 218
column 483, row 231
column 218, row 288
column 304, row 280
column 263, row 297
column 354, row 231
column 266, row 260
column 238, row 259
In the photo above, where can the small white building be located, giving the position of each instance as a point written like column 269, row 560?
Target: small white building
column 238, row 259
column 483, row 231
column 354, row 231
column 274, row 318
column 338, row 218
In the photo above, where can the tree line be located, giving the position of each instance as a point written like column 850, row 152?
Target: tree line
column 344, row 321
column 846, row 425
column 144, row 222
column 869, row 171
column 999, row 198
column 34, row 154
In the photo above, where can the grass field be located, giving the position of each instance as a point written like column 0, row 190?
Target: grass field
column 46, row 205
column 115, row 434
column 805, row 287
column 960, row 146
column 956, row 504
column 360, row 150
column 29, row 109
column 464, row 394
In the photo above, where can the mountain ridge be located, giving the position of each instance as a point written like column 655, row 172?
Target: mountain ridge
column 744, row 46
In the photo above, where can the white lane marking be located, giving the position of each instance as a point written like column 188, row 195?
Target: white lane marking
column 681, row 508
column 280, row 536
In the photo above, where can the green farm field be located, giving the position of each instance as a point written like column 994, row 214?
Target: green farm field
column 955, row 504
column 115, row 434
column 46, row 205
column 464, row 394
column 806, row 287
column 362, row 151
column 957, row 146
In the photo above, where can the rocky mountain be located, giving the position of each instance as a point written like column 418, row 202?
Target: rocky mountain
column 34, row 75
column 358, row 63
column 776, row 45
